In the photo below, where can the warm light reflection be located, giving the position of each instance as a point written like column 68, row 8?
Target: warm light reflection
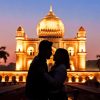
column 30, row 51
column 98, row 77
column 17, row 78
column 82, row 61
column 24, row 78
column 28, row 63
column 72, row 66
column 71, row 51
column 84, row 80
column 77, row 78
column 82, row 47
column 69, row 79
column 3, row 79
column 19, row 65
column 82, row 64
column 48, row 24
column 53, row 50
column 91, row 76
column 10, row 79
column 19, row 48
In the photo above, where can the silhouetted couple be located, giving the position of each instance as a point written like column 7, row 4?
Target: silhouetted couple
column 44, row 85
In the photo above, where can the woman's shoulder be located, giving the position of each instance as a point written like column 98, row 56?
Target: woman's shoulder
column 61, row 67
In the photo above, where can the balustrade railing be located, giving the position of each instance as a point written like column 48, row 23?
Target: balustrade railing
column 72, row 76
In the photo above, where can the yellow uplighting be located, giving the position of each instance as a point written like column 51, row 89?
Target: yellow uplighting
column 77, row 78
column 91, row 76
column 98, row 77
column 72, row 66
column 3, row 79
column 24, row 78
column 19, row 48
column 84, row 80
column 71, row 51
column 69, row 80
column 19, row 65
column 30, row 50
column 28, row 63
column 82, row 47
column 17, row 78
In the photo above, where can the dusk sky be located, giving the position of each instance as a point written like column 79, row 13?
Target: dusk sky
column 28, row 13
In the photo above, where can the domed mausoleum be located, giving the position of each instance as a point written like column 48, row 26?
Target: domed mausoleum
column 51, row 28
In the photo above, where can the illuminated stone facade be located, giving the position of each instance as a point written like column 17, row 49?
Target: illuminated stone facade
column 51, row 28
column 72, row 76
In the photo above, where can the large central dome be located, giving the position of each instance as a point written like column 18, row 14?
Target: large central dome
column 50, row 26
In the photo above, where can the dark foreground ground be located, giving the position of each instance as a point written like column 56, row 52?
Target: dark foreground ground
column 11, row 91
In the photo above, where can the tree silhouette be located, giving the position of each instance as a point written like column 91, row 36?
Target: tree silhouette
column 3, row 54
column 98, row 61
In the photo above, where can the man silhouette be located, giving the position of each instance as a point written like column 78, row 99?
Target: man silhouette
column 36, row 84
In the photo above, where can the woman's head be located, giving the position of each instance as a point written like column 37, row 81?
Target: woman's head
column 62, row 57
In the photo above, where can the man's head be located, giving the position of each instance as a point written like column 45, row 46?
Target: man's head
column 45, row 49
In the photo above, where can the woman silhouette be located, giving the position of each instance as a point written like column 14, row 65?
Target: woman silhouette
column 58, row 75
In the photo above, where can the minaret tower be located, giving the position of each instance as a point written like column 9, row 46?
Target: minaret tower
column 20, row 36
column 81, row 37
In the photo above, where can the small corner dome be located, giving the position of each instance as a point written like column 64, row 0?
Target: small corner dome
column 81, row 29
column 20, row 29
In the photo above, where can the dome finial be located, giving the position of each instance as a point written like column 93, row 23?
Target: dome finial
column 50, row 8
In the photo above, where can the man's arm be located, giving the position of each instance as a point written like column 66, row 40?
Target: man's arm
column 58, row 78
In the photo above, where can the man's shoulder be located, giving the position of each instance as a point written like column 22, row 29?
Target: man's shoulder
column 61, row 67
column 34, row 63
column 35, row 60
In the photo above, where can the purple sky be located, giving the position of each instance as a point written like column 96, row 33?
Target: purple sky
column 27, row 13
